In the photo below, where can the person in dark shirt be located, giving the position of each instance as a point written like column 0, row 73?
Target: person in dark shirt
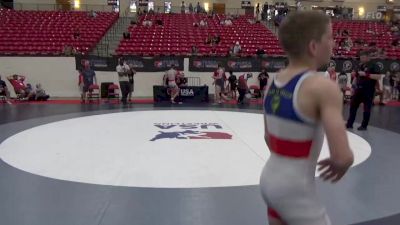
column 4, row 90
column 89, row 78
column 232, row 84
column 263, row 79
column 366, row 77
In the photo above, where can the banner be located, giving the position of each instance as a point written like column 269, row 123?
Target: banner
column 210, row 64
column 140, row 64
column 193, row 94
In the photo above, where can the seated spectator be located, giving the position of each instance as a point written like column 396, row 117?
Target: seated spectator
column 348, row 44
column 203, row 23
column 195, row 50
column 358, row 43
column 77, row 34
column 345, row 33
column 370, row 31
column 237, row 49
column 260, row 51
column 41, row 93
column 251, row 21
column 216, row 39
column 159, row 22
column 30, row 92
column 17, row 82
column 147, row 23
column 228, row 22
column 213, row 51
column 92, row 14
column 4, row 90
column 396, row 43
column 69, row 50
column 195, row 24
column 208, row 40
column 127, row 35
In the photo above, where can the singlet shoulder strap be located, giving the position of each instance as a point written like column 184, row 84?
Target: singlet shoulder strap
column 295, row 98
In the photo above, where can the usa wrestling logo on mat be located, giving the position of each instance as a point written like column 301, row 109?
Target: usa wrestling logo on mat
column 190, row 131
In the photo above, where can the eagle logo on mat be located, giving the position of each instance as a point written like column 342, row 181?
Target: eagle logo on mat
column 190, row 131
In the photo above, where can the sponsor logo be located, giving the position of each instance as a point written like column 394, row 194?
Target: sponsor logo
column 394, row 66
column 187, row 92
column 181, row 131
column 347, row 65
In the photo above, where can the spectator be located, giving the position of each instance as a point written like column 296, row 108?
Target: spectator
column 342, row 82
column 190, row 8
column 89, row 78
column 386, row 87
column 198, row 7
column 122, row 70
column 208, row 40
column 260, row 51
column 237, row 49
column 131, row 76
column 232, row 79
column 92, row 14
column 195, row 50
column 251, row 21
column 345, row 33
column 216, row 39
column 17, row 81
column 228, row 22
column 147, row 23
column 243, row 89
column 127, row 35
column 196, row 24
column 396, row 42
column 30, row 92
column 331, row 73
column 181, row 80
column 263, row 79
column 203, row 23
column 69, row 50
column 159, row 22
column 41, row 93
column 77, row 34
column 81, row 85
column 257, row 10
column 4, row 90
column 219, row 83
column 348, row 44
column 183, row 8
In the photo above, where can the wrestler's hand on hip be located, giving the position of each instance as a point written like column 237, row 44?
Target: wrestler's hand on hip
column 331, row 170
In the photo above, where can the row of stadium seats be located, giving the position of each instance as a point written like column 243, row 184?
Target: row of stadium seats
column 48, row 32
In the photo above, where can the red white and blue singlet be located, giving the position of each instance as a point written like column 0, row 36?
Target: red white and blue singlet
column 288, row 178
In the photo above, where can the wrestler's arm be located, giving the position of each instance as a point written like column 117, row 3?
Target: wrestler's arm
column 341, row 157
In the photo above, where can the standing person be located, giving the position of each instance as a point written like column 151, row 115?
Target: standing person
column 122, row 70
column 89, row 78
column 342, row 81
column 81, row 84
column 170, row 77
column 243, row 89
column 219, row 83
column 367, row 75
column 299, row 106
column 263, row 79
column 131, row 75
column 232, row 79
column 4, row 90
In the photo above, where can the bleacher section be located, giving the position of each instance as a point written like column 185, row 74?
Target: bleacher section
column 362, row 30
column 47, row 32
column 178, row 35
